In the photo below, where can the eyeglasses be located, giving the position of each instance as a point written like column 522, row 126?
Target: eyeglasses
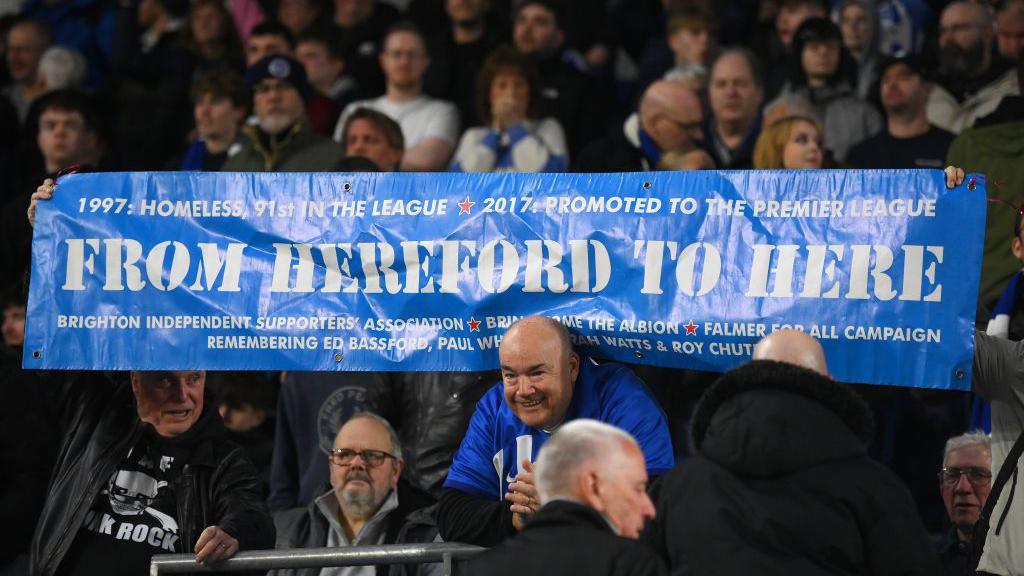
column 688, row 127
column 373, row 458
column 956, row 28
column 976, row 476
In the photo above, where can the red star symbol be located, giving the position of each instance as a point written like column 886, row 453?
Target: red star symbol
column 465, row 206
column 474, row 324
column 691, row 328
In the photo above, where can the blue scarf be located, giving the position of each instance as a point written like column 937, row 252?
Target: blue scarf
column 195, row 157
column 649, row 149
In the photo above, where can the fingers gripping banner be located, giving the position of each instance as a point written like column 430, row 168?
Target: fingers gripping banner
column 425, row 271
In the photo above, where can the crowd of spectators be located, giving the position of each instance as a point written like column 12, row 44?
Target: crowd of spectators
column 503, row 85
column 494, row 86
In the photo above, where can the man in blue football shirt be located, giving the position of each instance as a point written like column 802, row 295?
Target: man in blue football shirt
column 490, row 491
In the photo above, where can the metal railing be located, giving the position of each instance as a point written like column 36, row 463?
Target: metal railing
column 258, row 560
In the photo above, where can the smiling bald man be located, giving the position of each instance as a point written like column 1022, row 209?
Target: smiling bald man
column 490, row 491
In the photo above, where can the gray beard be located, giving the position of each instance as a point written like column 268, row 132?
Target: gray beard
column 359, row 504
column 275, row 124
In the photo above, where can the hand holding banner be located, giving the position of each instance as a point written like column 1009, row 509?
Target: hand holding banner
column 425, row 271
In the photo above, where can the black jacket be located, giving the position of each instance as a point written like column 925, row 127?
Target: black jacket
column 575, row 100
column 28, row 447
column 781, row 484
column 100, row 426
column 567, row 538
column 433, row 413
column 613, row 153
column 411, row 523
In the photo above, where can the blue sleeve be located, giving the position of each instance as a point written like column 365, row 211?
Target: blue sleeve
column 516, row 132
column 472, row 469
column 105, row 36
column 555, row 161
column 633, row 408
column 474, row 150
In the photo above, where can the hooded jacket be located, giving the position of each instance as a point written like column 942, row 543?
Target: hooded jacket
column 947, row 112
column 846, row 119
column 781, row 484
column 101, row 425
column 998, row 153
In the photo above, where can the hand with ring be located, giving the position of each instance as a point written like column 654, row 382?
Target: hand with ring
column 523, row 495
column 215, row 545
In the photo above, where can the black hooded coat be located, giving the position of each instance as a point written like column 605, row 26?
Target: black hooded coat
column 781, row 484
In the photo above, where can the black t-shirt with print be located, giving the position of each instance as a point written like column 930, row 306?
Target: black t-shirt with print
column 135, row 515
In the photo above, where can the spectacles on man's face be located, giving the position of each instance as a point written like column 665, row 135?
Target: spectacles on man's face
column 976, row 476
column 373, row 458
column 691, row 128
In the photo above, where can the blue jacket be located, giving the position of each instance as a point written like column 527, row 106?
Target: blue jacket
column 497, row 440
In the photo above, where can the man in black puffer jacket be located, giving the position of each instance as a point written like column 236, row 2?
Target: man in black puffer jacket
column 781, row 482
column 143, row 469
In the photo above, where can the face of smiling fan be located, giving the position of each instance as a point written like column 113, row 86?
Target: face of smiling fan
column 538, row 374
column 170, row 401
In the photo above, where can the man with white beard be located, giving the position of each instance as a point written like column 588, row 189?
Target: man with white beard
column 366, row 503
column 281, row 139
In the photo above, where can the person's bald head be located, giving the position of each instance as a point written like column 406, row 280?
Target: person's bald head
column 670, row 113
column 964, row 24
column 538, row 369
column 792, row 347
column 665, row 96
column 965, row 10
column 536, row 329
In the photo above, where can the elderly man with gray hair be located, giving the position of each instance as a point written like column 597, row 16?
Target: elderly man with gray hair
column 592, row 482
column 366, row 503
column 964, row 481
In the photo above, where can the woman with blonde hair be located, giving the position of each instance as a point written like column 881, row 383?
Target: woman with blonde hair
column 791, row 143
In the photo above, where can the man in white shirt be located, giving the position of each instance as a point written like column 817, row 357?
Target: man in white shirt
column 430, row 127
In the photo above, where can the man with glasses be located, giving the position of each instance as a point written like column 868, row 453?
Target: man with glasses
column 367, row 502
column 965, row 480
column 668, row 121
column 972, row 77
column 430, row 126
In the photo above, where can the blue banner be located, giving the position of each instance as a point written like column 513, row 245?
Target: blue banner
column 425, row 271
